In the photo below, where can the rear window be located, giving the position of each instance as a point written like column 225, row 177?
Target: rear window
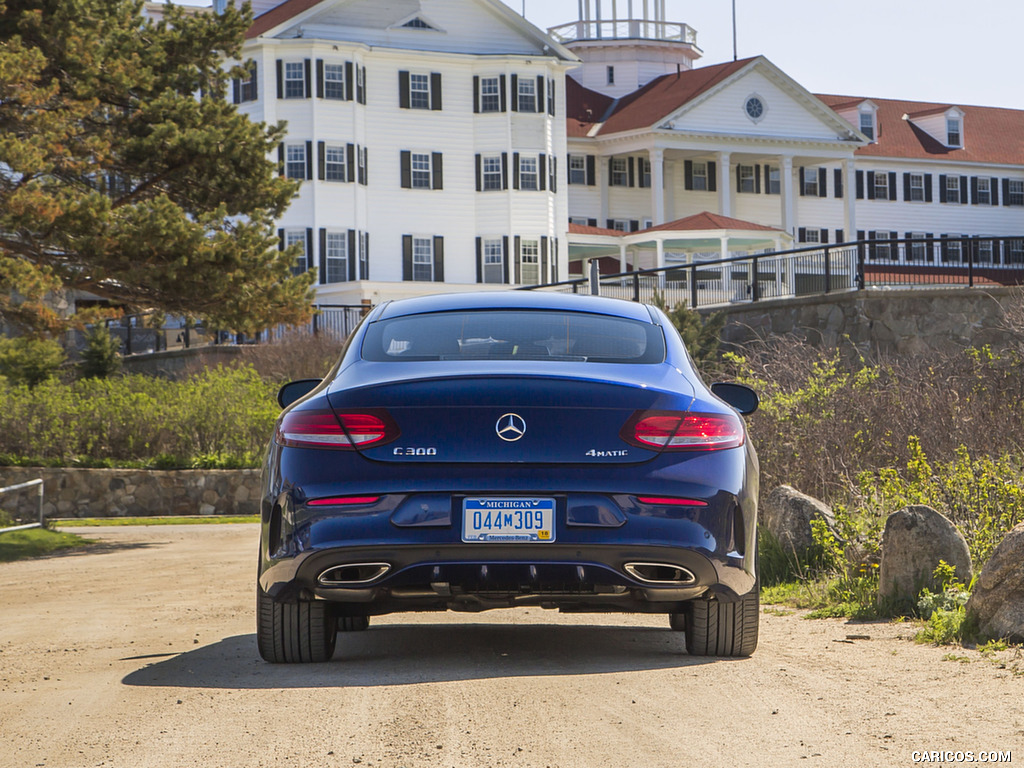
column 514, row 335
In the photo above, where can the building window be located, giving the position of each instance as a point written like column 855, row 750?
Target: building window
column 882, row 250
column 294, row 80
column 1014, row 192
column 645, row 172
column 811, row 182
column 334, row 81
column 419, row 91
column 494, row 256
column 247, row 90
column 918, row 246
column 953, row 131
column 295, row 161
column 493, row 177
column 529, row 262
column 984, row 190
column 953, row 251
column 700, row 176
column 867, row 124
column 291, row 237
column 579, row 220
column 774, row 185
column 917, row 187
column 610, row 75
column 337, row 257
column 334, row 164
column 881, row 186
column 490, row 94
column 420, row 165
column 620, row 172
column 1015, row 251
column 746, row 176
column 423, row 259
column 528, row 178
column 952, row 189
column 985, row 251
column 527, row 94
column 812, row 235
column 577, row 169
column 363, row 178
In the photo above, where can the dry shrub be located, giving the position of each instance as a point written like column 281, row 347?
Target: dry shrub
column 297, row 355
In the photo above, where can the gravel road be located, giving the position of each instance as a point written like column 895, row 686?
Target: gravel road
column 139, row 652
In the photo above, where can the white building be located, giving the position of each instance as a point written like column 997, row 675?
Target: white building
column 450, row 141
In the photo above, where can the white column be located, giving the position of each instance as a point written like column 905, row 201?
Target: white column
column 603, row 177
column 850, row 195
column 657, row 157
column 724, row 186
column 724, row 241
column 786, row 188
column 660, row 262
column 670, row 190
column 622, row 257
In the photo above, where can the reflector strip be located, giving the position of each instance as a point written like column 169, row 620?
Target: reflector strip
column 671, row 501
column 337, row 501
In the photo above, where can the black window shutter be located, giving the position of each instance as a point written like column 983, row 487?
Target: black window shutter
column 476, row 104
column 824, row 236
column 406, row 163
column 280, row 79
column 872, row 246
column 974, row 190
column 944, row 247
column 515, row 257
column 438, row 259
column 280, row 159
column 280, row 239
column 893, row 194
column 309, row 248
column 479, row 174
column 609, row 223
column 308, row 78
column 348, row 81
column 860, row 185
column 871, row 185
column 504, row 259
column 479, row 259
column 364, row 169
column 860, row 241
column 553, row 173
column 407, row 257
column 321, row 161
column 504, row 101
column 712, row 177
column 542, row 172
column 504, row 170
column 540, row 94
column 757, row 179
column 543, row 259
column 403, row 89
column 1006, row 191
column 319, row 78
column 323, row 256
column 515, row 105
column 364, row 265
column 839, row 236
column 631, row 162
column 688, row 174
column 822, row 183
column 437, row 165
column 253, row 71
column 993, row 186
column 634, row 225
column 801, row 235
column 236, row 91
column 592, row 171
column 350, row 161
column 927, row 187
column 590, row 223
column 515, row 170
column 738, row 185
column 906, row 186
column 551, row 97
column 435, row 91
column 353, row 254
column 837, row 180
column 942, row 188
column 963, row 190
column 801, row 181
column 309, row 160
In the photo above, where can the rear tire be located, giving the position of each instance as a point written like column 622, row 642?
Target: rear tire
column 722, row 629
column 292, row 633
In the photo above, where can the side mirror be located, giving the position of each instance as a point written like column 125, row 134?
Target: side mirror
column 293, row 390
column 739, row 396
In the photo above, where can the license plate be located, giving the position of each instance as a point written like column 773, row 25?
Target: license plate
column 508, row 520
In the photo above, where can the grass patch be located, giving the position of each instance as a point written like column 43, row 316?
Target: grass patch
column 827, row 597
column 82, row 522
column 18, row 545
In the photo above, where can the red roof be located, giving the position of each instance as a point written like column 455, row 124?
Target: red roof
column 580, row 229
column 278, row 15
column 705, row 221
column 990, row 134
column 583, row 108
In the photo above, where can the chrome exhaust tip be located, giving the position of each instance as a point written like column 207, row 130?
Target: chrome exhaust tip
column 352, row 573
column 660, row 573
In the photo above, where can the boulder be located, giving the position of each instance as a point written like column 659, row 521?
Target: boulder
column 915, row 539
column 787, row 514
column 997, row 603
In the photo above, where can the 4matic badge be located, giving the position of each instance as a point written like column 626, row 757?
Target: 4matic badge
column 603, row 454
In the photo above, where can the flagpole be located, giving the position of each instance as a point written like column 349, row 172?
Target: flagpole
column 734, row 54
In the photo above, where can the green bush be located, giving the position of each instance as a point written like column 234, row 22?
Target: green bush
column 28, row 361
column 102, row 354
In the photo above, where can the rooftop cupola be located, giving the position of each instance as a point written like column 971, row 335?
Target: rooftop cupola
column 625, row 44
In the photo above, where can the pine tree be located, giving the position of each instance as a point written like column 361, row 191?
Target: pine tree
column 125, row 172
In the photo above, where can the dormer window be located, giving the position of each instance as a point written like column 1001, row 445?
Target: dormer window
column 867, row 124
column 953, row 137
column 417, row 23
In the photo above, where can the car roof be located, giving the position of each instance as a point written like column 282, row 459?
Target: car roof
column 537, row 300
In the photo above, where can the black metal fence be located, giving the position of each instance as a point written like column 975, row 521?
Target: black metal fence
column 819, row 269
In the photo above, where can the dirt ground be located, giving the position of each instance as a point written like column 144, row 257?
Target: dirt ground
column 140, row 652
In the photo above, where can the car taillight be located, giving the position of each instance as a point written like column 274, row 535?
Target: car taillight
column 327, row 429
column 678, row 431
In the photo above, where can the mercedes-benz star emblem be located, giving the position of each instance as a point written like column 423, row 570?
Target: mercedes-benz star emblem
column 510, row 427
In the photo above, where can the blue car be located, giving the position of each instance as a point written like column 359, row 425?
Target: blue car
column 490, row 450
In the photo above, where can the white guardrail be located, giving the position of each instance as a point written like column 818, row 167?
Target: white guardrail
column 19, row 487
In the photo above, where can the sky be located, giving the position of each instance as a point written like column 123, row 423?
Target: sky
column 944, row 51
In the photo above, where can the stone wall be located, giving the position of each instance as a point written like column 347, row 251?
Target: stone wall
column 132, row 492
column 886, row 321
